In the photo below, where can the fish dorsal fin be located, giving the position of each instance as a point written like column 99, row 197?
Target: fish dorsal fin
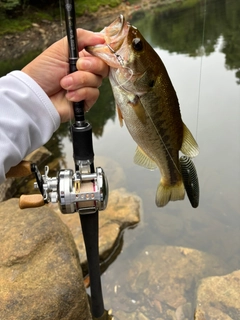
column 141, row 159
column 120, row 117
column 189, row 145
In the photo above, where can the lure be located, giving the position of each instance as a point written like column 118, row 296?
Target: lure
column 190, row 180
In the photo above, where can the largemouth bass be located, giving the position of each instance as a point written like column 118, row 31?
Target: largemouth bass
column 147, row 102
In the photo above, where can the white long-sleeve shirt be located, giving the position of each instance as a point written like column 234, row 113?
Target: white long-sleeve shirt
column 27, row 119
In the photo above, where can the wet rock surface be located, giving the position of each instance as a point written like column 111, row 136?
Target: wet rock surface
column 40, row 272
column 158, row 283
column 218, row 298
column 123, row 211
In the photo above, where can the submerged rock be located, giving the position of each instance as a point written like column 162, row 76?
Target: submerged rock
column 40, row 272
column 123, row 211
column 218, row 298
column 159, row 283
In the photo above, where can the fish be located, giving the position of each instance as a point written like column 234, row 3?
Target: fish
column 147, row 103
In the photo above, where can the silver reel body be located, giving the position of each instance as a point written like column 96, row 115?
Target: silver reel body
column 76, row 192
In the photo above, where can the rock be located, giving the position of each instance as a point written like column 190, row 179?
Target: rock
column 40, row 272
column 35, row 25
column 39, row 155
column 218, row 298
column 9, row 187
column 169, row 272
column 89, row 21
column 123, row 211
column 159, row 282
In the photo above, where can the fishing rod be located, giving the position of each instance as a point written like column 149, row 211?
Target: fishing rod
column 84, row 162
column 84, row 190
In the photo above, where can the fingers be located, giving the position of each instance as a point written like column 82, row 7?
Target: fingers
column 90, row 74
column 84, row 83
column 94, row 65
column 65, row 108
column 91, row 71
column 78, row 80
column 88, row 38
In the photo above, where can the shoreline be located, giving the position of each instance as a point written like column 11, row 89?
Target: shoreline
column 42, row 35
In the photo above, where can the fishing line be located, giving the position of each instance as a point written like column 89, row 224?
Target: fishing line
column 202, row 51
column 166, row 148
column 127, row 80
column 121, row 62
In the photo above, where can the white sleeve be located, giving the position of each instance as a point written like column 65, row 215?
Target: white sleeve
column 27, row 119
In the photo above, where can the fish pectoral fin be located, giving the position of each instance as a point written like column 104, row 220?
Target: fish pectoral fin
column 138, row 109
column 141, row 159
column 189, row 145
column 120, row 117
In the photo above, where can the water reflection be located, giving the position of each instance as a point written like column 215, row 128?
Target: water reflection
column 103, row 111
column 204, row 68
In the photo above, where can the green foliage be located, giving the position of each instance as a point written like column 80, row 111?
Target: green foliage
column 13, row 25
column 17, row 15
column 10, row 5
column 86, row 6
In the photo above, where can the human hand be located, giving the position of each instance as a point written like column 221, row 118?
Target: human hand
column 50, row 70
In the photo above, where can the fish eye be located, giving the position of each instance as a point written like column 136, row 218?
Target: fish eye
column 137, row 44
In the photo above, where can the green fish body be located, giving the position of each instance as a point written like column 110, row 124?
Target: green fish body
column 147, row 102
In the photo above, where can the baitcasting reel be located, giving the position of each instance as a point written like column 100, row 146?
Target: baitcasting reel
column 81, row 192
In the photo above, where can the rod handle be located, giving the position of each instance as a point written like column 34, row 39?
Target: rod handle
column 22, row 169
column 31, row 201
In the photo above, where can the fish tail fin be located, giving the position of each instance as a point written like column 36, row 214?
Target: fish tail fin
column 166, row 193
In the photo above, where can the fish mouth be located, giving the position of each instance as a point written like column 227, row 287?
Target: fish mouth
column 114, row 36
column 115, row 28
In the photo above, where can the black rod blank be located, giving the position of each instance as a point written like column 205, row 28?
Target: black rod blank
column 83, row 150
column 78, row 107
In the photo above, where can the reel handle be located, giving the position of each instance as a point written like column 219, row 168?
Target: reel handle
column 31, row 201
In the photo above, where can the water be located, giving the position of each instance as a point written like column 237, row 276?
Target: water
column 204, row 75
column 200, row 47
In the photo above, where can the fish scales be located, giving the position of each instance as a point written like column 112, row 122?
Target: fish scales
column 147, row 102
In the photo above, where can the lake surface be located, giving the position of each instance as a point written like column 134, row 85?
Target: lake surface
column 200, row 47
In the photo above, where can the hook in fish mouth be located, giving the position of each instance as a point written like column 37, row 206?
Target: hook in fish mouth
column 119, row 58
column 113, row 32
column 115, row 36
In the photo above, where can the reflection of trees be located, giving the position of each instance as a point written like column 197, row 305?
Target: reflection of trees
column 103, row 110
column 55, row 145
column 180, row 28
column 232, row 38
column 16, row 64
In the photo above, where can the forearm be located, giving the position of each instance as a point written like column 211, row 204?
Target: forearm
column 27, row 119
